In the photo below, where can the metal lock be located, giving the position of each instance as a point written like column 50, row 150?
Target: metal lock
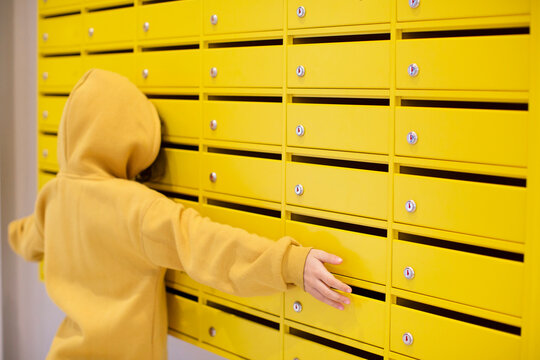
column 213, row 124
column 90, row 32
column 45, row 36
column 45, row 114
column 297, row 306
column 301, row 12
column 412, row 138
column 146, row 26
column 414, row 3
column 212, row 331
column 213, row 19
column 145, row 73
column 213, row 177
column 410, row 206
column 407, row 338
column 300, row 130
column 408, row 272
column 300, row 71
column 413, row 70
column 213, row 72
column 45, row 153
column 45, row 75
column 298, row 189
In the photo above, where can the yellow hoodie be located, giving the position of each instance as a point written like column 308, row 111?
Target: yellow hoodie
column 106, row 240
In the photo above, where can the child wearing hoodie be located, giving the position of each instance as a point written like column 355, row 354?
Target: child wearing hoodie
column 107, row 240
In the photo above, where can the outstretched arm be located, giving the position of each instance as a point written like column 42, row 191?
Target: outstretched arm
column 26, row 238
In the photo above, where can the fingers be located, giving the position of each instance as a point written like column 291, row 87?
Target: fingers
column 317, row 295
column 326, row 257
column 332, row 282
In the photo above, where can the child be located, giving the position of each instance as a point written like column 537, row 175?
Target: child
column 107, row 240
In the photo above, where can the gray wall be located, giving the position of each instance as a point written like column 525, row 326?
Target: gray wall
column 29, row 318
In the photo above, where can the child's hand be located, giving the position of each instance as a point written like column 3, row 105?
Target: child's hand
column 319, row 282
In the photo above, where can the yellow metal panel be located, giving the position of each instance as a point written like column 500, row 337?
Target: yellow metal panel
column 340, row 65
column 353, row 191
column 230, row 334
column 180, row 118
column 256, row 122
column 298, row 348
column 122, row 63
column 431, row 10
column 183, row 315
column 181, row 168
column 439, row 338
column 253, row 66
column 478, row 280
column 339, row 127
column 100, row 4
column 490, row 210
column 244, row 176
column 364, row 256
column 465, row 63
column 57, row 6
column 43, row 178
column 175, row 19
column 59, row 73
column 236, row 16
column 483, row 136
column 362, row 320
column 109, row 26
column 319, row 13
column 164, row 70
column 180, row 277
column 47, row 159
column 58, row 33
column 50, row 109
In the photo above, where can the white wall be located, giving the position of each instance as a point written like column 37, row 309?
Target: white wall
column 29, row 318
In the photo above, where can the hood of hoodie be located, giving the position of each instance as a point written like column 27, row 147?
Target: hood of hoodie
column 109, row 128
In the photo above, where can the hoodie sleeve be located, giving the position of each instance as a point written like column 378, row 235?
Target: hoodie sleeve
column 26, row 238
column 226, row 258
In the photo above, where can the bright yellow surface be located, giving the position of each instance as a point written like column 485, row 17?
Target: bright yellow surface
column 122, row 63
column 109, row 26
column 298, row 348
column 436, row 337
column 338, row 189
column 183, row 315
column 496, row 211
column 338, row 12
column 185, row 176
column 59, row 73
column 331, row 65
column 362, row 320
column 339, row 127
column 58, row 32
column 49, row 113
column 478, row 280
column 163, row 69
column 180, row 118
column 481, row 136
column 243, row 121
column 47, row 159
column 230, row 332
column 364, row 256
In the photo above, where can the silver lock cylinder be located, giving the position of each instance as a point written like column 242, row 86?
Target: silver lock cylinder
column 213, row 177
column 213, row 124
column 414, row 3
column 413, row 70
column 300, row 131
column 145, row 73
column 410, row 206
column 213, row 19
column 407, row 338
column 297, row 306
column 213, row 72
column 212, row 331
column 408, row 272
column 45, row 114
column 146, row 26
column 300, row 71
column 45, row 36
column 45, row 153
column 301, row 12
column 90, row 32
column 298, row 189
column 412, row 138
column 45, row 75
